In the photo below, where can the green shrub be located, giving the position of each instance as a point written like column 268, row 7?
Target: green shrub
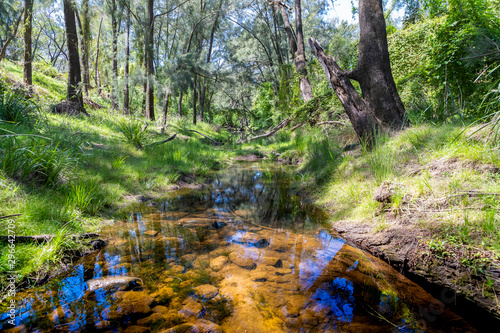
column 133, row 130
column 15, row 108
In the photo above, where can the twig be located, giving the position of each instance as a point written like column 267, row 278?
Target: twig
column 7, row 216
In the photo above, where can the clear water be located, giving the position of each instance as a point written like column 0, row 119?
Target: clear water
column 245, row 255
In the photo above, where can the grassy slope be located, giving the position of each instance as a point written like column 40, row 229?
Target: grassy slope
column 100, row 173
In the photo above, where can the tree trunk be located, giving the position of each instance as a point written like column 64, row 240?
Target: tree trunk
column 114, row 53
column 296, row 44
column 74, row 93
column 194, row 98
column 97, row 75
column 150, row 105
column 373, row 71
column 179, row 105
column 28, row 23
column 165, row 111
column 86, row 46
column 360, row 114
column 300, row 58
column 126, row 97
column 380, row 108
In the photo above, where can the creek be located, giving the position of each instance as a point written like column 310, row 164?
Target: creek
column 246, row 254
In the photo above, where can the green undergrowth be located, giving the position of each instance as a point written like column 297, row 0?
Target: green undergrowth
column 65, row 174
column 443, row 182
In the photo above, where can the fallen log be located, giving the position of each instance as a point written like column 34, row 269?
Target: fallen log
column 331, row 122
column 209, row 138
column 281, row 125
column 40, row 239
column 162, row 141
column 9, row 216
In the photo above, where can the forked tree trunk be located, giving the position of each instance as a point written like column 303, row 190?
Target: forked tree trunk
column 380, row 108
column 359, row 112
column 28, row 23
column 373, row 71
column 74, row 93
column 14, row 33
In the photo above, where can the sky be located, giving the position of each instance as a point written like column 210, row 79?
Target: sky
column 343, row 10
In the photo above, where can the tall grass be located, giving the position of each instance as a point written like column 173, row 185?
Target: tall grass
column 15, row 108
column 133, row 130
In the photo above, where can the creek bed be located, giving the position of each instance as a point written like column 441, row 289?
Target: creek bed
column 245, row 255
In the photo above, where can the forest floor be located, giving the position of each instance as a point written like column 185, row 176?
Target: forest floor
column 426, row 200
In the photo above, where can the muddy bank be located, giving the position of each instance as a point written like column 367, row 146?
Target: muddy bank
column 402, row 246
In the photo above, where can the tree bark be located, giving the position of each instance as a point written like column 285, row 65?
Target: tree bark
column 114, row 53
column 97, row 75
column 179, row 105
column 150, row 107
column 297, row 49
column 300, row 57
column 28, row 24
column 126, row 96
column 194, row 98
column 373, row 71
column 86, row 46
column 165, row 111
column 359, row 112
column 74, row 93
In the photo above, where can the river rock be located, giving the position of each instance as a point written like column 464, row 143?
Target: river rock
column 178, row 269
column 192, row 308
column 242, row 261
column 182, row 328
column 308, row 317
column 206, row 291
column 206, row 326
column 163, row 294
column 133, row 302
column 151, row 233
column 121, row 283
column 161, row 309
column 137, row 329
column 189, row 257
column 153, row 320
column 272, row 261
column 294, row 305
column 253, row 240
column 218, row 263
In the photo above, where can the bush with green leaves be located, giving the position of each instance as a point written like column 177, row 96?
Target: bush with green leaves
column 134, row 131
column 15, row 108
column 34, row 159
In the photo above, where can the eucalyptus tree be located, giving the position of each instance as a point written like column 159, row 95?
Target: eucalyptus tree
column 74, row 93
column 380, row 107
column 28, row 57
column 10, row 18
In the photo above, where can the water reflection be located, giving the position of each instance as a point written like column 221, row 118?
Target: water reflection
column 248, row 254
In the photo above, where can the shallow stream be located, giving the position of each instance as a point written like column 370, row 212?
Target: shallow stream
column 244, row 255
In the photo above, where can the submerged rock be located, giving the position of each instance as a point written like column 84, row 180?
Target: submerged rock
column 122, row 283
column 200, row 326
column 206, row 291
column 192, row 308
column 242, row 261
column 218, row 263
column 133, row 302
column 154, row 319
column 272, row 261
column 137, row 329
